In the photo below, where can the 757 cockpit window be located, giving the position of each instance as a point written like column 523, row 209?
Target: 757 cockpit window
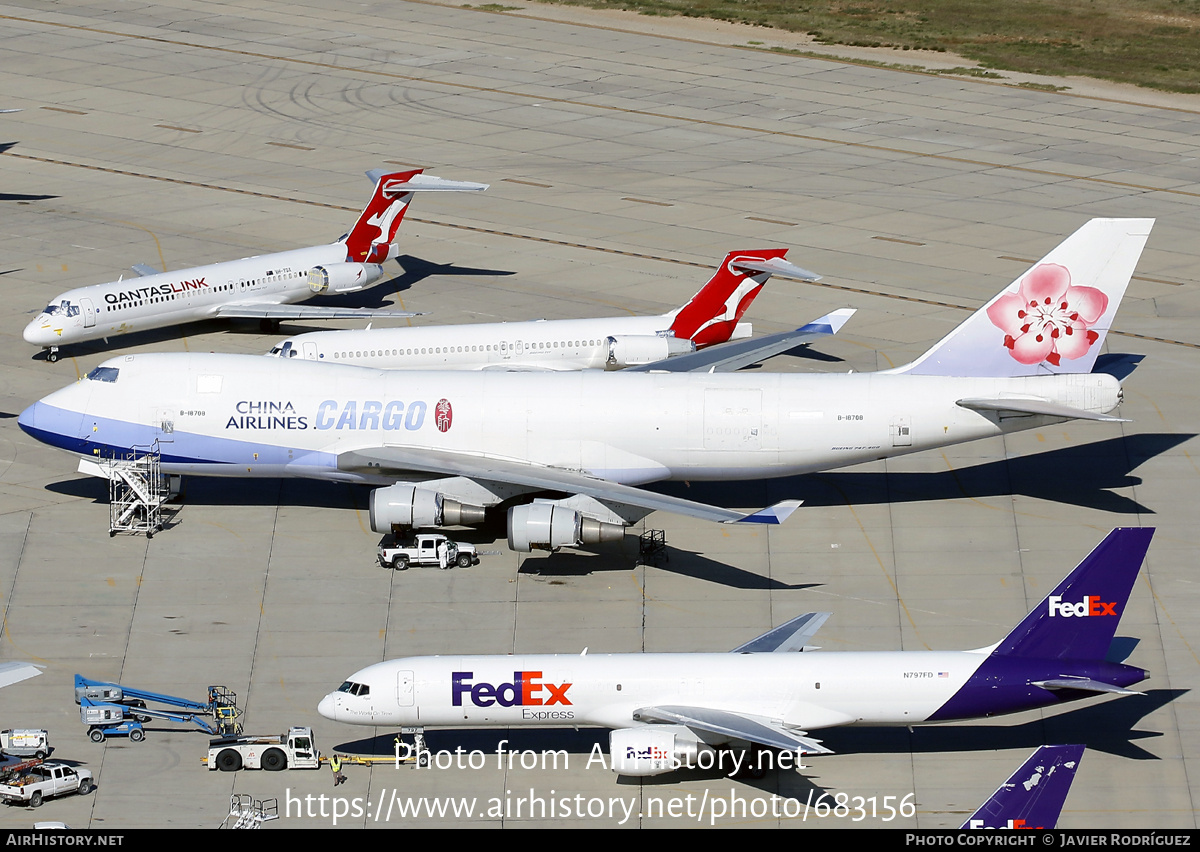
column 104, row 374
column 355, row 688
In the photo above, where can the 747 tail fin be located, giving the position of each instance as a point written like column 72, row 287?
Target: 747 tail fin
column 369, row 241
column 1054, row 318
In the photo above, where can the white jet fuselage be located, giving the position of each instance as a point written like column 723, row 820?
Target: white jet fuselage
column 253, row 416
column 171, row 298
column 811, row 690
column 574, row 344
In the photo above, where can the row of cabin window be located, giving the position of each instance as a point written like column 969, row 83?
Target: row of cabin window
column 439, row 350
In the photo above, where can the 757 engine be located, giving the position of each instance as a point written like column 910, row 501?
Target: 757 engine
column 654, row 749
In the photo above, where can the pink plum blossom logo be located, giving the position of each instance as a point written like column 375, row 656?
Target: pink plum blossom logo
column 1047, row 319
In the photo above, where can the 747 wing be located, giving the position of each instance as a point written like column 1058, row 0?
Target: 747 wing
column 541, row 478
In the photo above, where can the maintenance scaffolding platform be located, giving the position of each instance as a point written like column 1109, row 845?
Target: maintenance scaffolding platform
column 137, row 491
column 247, row 812
column 652, row 548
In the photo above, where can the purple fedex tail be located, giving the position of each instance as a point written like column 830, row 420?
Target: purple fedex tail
column 1054, row 318
column 1058, row 652
column 1033, row 797
column 1077, row 621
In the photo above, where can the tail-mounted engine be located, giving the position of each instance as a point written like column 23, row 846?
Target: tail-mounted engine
column 409, row 506
column 630, row 350
column 343, row 277
column 546, row 526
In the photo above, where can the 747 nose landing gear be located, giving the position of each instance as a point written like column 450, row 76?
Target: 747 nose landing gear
column 52, row 354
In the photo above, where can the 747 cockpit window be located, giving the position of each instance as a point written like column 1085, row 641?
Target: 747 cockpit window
column 104, row 374
column 355, row 688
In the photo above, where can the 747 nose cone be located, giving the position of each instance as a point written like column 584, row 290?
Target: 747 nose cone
column 328, row 706
column 28, row 419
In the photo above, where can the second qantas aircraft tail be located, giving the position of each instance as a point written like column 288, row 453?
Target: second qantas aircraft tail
column 1054, row 318
column 712, row 314
column 370, row 239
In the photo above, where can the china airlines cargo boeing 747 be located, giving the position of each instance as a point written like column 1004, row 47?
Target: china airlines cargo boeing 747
column 262, row 287
column 448, row 444
column 668, row 711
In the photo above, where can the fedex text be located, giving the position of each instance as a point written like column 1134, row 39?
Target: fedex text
column 1091, row 605
column 526, row 690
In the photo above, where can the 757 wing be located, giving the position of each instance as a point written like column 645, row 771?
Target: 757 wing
column 738, row 726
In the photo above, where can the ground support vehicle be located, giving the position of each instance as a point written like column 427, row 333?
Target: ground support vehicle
column 43, row 781
column 110, row 709
column 25, row 742
column 423, row 550
column 293, row 750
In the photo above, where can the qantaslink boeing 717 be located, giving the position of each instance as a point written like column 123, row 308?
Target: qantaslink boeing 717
column 263, row 287
column 445, row 445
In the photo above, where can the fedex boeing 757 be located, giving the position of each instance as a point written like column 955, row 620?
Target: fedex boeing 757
column 610, row 343
column 263, row 287
column 673, row 710
column 448, row 444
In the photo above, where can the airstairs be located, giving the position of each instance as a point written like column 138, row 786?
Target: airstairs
column 137, row 491
column 248, row 812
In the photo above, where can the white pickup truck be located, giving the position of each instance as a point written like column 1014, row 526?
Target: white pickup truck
column 44, row 781
column 423, row 550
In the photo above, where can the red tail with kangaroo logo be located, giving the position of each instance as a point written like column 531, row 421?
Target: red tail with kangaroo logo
column 713, row 313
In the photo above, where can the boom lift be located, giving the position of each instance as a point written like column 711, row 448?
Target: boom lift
column 110, row 709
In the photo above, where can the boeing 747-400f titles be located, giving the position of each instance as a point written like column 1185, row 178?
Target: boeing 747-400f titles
column 611, row 343
column 261, row 287
column 673, row 710
column 448, row 444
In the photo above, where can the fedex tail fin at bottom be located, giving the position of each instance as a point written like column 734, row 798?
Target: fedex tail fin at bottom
column 1054, row 318
column 1033, row 796
column 370, row 239
column 712, row 314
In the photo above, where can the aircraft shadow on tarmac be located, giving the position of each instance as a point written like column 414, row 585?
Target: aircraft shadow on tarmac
column 414, row 271
column 1082, row 475
column 1078, row 475
column 574, row 563
column 1107, row 726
